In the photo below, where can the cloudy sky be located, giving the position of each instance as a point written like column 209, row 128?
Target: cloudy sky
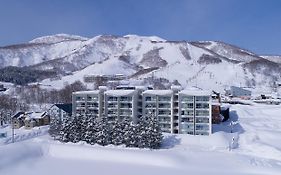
column 251, row 24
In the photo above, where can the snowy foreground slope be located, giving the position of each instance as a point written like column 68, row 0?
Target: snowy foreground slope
column 256, row 149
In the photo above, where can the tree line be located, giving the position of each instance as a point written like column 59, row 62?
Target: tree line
column 146, row 133
column 23, row 75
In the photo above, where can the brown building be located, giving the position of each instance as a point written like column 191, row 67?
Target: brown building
column 30, row 119
column 216, row 117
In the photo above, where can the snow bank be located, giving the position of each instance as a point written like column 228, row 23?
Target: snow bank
column 24, row 134
column 128, row 156
column 219, row 141
column 18, row 152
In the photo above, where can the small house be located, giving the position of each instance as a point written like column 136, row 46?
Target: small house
column 33, row 119
column 60, row 111
column 235, row 91
column 18, row 120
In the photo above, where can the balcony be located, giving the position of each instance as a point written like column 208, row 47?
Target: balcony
column 187, row 99
column 201, row 133
column 80, row 107
column 126, row 106
column 164, row 106
column 202, row 113
column 202, row 127
column 204, row 99
column 92, row 99
column 165, row 121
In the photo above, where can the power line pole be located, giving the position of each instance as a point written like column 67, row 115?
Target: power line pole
column 13, row 131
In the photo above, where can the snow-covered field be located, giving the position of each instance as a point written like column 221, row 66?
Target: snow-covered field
column 254, row 147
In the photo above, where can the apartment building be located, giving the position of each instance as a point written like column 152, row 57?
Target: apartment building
column 178, row 111
column 159, row 102
column 195, row 112
column 121, row 104
column 88, row 102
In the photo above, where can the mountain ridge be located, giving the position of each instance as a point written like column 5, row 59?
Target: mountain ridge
column 189, row 63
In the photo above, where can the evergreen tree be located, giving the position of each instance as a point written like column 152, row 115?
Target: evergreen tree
column 142, row 134
column 76, row 127
column 102, row 134
column 65, row 132
column 154, row 132
column 91, row 129
column 116, row 136
column 130, row 133
column 55, row 127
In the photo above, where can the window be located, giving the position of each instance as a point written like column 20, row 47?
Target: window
column 202, row 98
column 164, row 112
column 112, row 98
column 187, row 119
column 187, row 105
column 112, row 112
column 164, row 98
column 126, row 105
column 79, row 98
column 92, row 98
column 202, row 113
column 187, row 112
column 150, row 98
column 93, row 105
column 202, row 127
column 112, row 105
column 125, row 112
column 126, row 99
column 161, row 105
column 187, row 126
column 202, row 105
column 187, row 98
column 202, row 120
column 81, row 105
column 150, row 105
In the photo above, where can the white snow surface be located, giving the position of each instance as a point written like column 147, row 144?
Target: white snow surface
column 118, row 93
column 252, row 148
column 158, row 92
column 57, row 38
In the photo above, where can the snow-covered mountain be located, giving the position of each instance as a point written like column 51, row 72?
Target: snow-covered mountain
column 206, row 64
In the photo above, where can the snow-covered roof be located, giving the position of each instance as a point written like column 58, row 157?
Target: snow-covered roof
column 118, row 93
column 225, row 106
column 34, row 115
column 158, row 92
column 196, row 92
column 86, row 92
column 175, row 87
column 141, row 87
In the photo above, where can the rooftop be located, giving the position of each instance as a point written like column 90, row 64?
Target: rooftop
column 67, row 107
column 87, row 92
column 118, row 93
column 158, row 92
column 196, row 92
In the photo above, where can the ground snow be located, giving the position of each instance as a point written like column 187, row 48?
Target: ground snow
column 250, row 145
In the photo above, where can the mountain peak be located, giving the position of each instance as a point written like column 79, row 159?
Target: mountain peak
column 57, row 38
column 151, row 38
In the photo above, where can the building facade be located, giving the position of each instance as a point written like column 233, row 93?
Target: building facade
column 178, row 111
column 160, row 103
column 88, row 103
column 195, row 112
column 238, row 92
column 121, row 104
column 60, row 111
